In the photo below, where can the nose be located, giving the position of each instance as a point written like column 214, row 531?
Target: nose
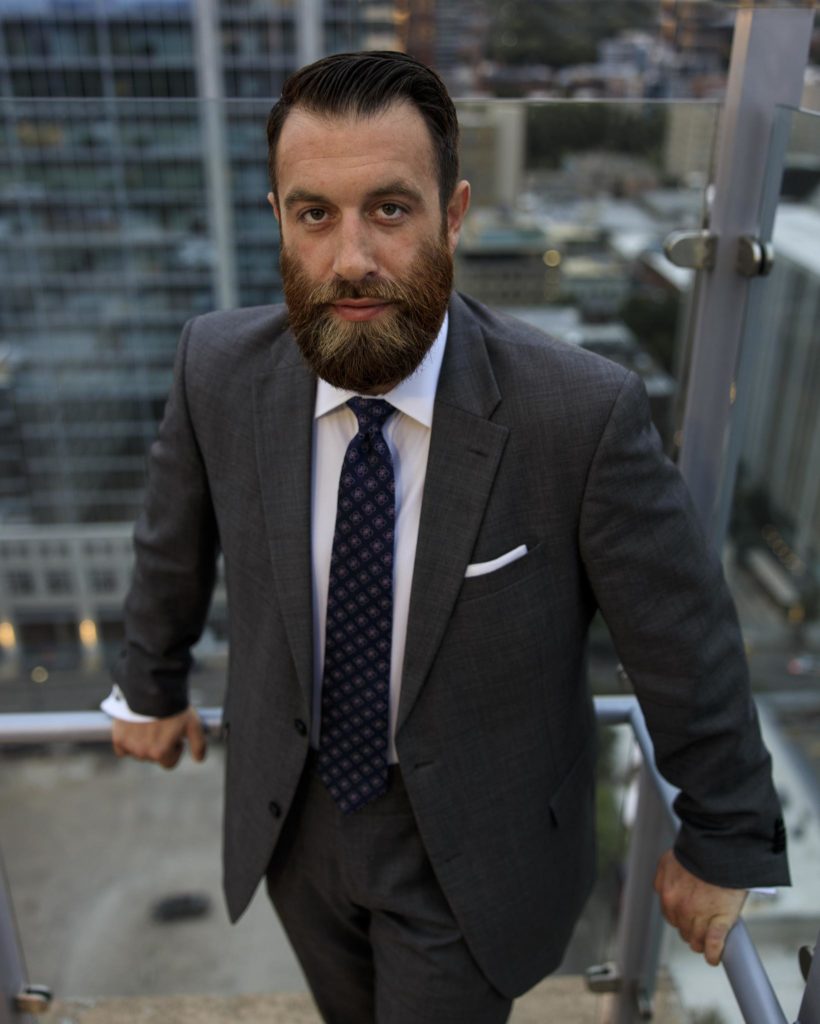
column 354, row 256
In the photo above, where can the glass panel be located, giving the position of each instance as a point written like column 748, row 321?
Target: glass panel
column 107, row 247
column 115, row 931
column 775, row 528
column 571, row 205
column 153, row 839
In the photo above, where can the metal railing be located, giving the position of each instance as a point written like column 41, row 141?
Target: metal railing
column 630, row 980
column 639, row 925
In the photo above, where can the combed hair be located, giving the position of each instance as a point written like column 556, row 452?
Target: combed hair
column 363, row 84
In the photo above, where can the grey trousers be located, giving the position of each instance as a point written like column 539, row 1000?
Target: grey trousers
column 367, row 919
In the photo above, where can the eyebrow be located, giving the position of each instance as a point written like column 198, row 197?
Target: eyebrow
column 392, row 188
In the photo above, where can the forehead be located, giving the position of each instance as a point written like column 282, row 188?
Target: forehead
column 393, row 141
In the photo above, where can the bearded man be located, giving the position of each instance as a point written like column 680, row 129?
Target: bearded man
column 421, row 505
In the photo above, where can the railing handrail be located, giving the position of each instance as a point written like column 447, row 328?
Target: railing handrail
column 745, row 971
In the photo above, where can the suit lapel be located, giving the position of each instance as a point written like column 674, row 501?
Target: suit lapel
column 465, row 450
column 284, row 399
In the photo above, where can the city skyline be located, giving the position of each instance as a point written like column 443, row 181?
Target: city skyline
column 126, row 212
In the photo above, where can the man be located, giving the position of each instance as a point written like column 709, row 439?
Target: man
column 421, row 504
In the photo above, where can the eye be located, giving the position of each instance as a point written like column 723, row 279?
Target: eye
column 315, row 215
column 391, row 211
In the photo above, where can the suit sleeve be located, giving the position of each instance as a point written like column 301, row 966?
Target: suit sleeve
column 661, row 590
column 176, row 545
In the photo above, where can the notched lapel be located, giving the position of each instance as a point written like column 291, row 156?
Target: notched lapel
column 284, row 400
column 465, row 452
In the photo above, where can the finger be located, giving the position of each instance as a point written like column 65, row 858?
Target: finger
column 695, row 934
column 171, row 757
column 715, row 940
column 196, row 737
column 694, row 944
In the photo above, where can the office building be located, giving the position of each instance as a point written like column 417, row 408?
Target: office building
column 132, row 196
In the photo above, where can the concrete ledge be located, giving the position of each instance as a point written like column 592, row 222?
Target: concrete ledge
column 562, row 999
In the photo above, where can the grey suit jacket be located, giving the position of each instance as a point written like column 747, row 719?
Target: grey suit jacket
column 533, row 442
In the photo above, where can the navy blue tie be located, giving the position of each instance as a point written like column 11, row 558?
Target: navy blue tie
column 356, row 682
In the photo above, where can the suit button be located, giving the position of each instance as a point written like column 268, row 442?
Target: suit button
column 301, row 728
column 275, row 809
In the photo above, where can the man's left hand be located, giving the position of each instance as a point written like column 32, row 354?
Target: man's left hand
column 702, row 913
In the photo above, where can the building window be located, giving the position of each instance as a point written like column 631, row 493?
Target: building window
column 58, row 581
column 103, row 581
column 20, row 582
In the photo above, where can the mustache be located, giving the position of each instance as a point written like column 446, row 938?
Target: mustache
column 336, row 291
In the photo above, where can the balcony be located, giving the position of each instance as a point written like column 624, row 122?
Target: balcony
column 97, row 851
column 573, row 204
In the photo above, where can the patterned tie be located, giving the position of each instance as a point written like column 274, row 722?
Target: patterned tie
column 356, row 681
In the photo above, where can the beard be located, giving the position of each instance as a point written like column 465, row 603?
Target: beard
column 366, row 356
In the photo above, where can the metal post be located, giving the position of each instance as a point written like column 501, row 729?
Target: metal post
column 810, row 1005
column 12, row 966
column 309, row 41
column 211, row 92
column 769, row 55
column 639, row 921
column 754, row 345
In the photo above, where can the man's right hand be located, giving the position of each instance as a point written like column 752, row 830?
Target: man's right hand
column 162, row 741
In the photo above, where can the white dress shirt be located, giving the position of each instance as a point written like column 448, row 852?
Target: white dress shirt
column 407, row 433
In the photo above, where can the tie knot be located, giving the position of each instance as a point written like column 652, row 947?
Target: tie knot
column 370, row 412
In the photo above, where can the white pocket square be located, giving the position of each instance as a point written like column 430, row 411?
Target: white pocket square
column 482, row 568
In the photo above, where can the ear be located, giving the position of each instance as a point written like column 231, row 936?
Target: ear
column 456, row 209
column 274, row 205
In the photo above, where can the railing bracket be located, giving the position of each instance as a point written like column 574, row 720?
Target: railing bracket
column 695, row 250
column 602, row 978
column 33, row 999
column 754, row 258
column 646, row 1010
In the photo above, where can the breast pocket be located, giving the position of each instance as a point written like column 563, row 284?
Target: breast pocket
column 517, row 571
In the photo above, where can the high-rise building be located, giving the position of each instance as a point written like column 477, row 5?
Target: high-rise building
column 781, row 449
column 132, row 196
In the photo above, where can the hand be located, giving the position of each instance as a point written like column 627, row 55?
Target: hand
column 702, row 913
column 162, row 741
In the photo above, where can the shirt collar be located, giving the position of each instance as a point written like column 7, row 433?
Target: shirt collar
column 414, row 396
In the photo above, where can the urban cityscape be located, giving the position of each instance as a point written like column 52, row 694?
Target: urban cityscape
column 133, row 190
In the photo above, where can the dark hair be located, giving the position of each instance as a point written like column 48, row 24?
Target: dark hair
column 365, row 83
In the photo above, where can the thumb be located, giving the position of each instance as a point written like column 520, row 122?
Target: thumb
column 715, row 940
column 195, row 735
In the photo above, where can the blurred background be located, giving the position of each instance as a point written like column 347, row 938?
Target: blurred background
column 132, row 197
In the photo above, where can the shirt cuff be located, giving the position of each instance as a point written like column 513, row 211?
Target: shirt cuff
column 116, row 706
